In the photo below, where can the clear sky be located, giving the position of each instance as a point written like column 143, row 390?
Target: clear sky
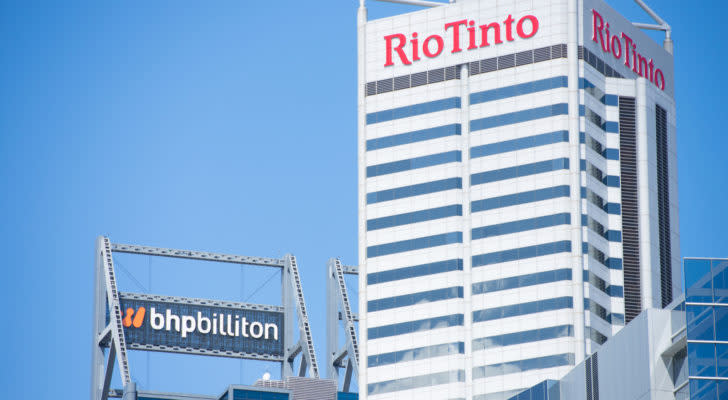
column 226, row 126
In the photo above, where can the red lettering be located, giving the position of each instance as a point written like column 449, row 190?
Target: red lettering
column 426, row 46
column 659, row 77
column 606, row 48
column 642, row 61
column 598, row 29
column 484, row 34
column 616, row 47
column 398, row 49
column 415, row 47
column 471, row 36
column 455, row 35
column 509, row 27
column 534, row 26
column 627, row 46
column 652, row 70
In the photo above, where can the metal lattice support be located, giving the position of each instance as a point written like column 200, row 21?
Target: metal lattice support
column 338, row 309
column 292, row 282
column 109, row 345
column 107, row 335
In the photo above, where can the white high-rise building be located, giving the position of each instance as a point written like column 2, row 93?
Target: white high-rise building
column 517, row 192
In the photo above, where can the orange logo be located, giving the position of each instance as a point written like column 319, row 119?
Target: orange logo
column 136, row 320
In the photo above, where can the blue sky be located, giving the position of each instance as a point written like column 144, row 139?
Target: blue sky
column 226, row 126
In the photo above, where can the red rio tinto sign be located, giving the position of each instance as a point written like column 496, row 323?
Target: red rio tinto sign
column 477, row 37
column 622, row 46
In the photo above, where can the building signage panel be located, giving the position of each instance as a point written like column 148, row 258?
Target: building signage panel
column 624, row 47
column 180, row 324
column 460, row 33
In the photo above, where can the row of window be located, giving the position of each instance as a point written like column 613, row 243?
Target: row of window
column 519, row 116
column 519, row 171
column 519, row 144
column 454, row 210
column 519, row 89
column 707, row 322
column 608, row 180
column 598, row 255
column 404, row 328
column 414, row 136
column 522, row 253
column 535, row 335
column 433, row 268
column 513, row 367
column 396, row 385
column 420, row 353
column 594, row 225
column 414, row 163
column 595, row 335
column 597, row 309
column 609, row 208
column 601, row 284
column 475, row 179
column 514, row 310
column 414, row 190
column 413, row 110
column 596, row 119
column 514, row 282
column 606, row 99
column 530, row 196
column 430, row 296
column 414, row 244
column 521, row 226
column 706, row 281
column 708, row 359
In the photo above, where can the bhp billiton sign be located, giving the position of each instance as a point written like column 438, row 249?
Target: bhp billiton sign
column 187, row 325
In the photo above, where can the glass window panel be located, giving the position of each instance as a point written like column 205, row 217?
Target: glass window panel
column 698, row 281
column 702, row 359
column 720, row 281
column 701, row 389
column 721, row 351
column 722, row 390
column 700, row 323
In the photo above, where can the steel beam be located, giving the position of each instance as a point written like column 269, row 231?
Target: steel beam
column 350, row 269
column 196, row 255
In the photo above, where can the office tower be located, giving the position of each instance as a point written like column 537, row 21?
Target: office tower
column 517, row 192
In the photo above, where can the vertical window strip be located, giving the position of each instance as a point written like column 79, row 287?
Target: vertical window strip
column 663, row 205
column 630, row 208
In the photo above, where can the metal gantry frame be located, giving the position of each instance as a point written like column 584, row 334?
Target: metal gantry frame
column 109, row 346
column 338, row 311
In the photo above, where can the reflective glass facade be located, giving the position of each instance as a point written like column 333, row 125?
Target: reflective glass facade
column 706, row 313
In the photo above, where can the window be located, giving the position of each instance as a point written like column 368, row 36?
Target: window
column 519, row 198
column 519, row 171
column 415, row 299
column 521, row 226
column 414, row 217
column 519, row 116
column 414, row 244
column 414, row 137
column 415, row 271
column 519, row 144
column 522, row 253
column 514, row 310
column 415, row 326
column 414, row 190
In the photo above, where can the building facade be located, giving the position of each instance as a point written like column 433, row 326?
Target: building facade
column 676, row 353
column 517, row 193
column 706, row 310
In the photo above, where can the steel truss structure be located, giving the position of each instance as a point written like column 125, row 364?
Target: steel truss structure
column 109, row 346
column 338, row 311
